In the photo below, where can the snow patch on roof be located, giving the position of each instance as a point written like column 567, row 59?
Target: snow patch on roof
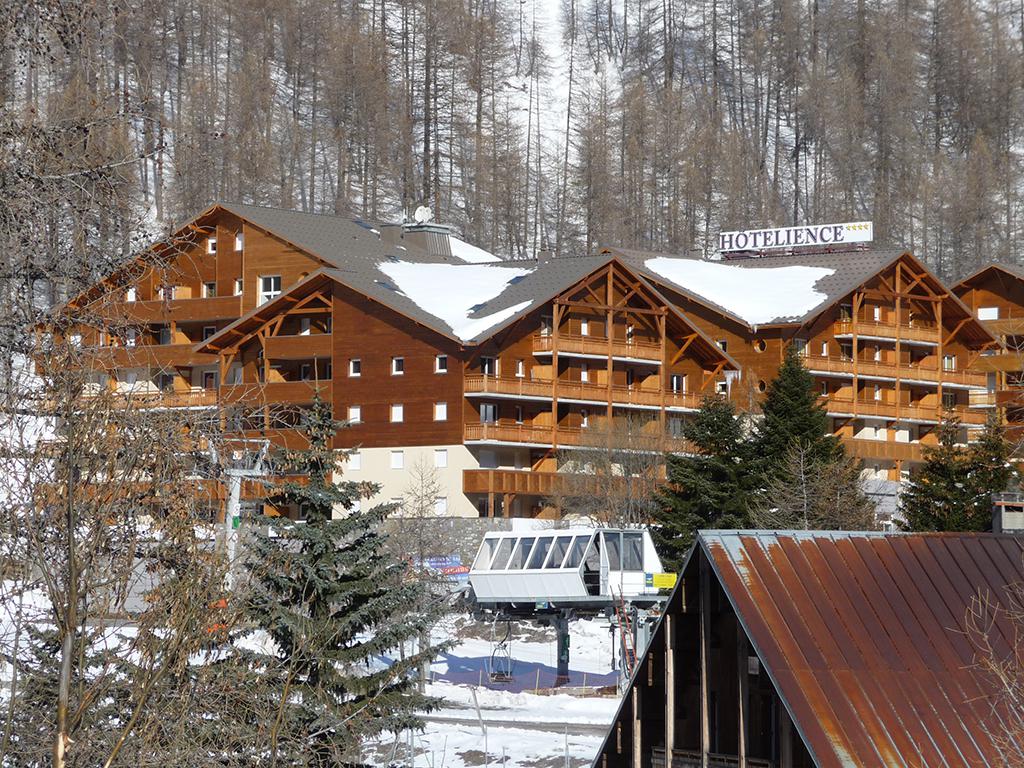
column 451, row 292
column 470, row 253
column 757, row 295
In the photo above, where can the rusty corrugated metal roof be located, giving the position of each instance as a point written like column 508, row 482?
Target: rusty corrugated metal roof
column 864, row 637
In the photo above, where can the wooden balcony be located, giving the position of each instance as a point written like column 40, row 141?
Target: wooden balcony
column 181, row 310
column 883, row 449
column 886, row 410
column 598, row 346
column 541, row 435
column 980, row 400
column 526, row 483
column 921, row 330
column 1010, row 361
column 844, row 366
column 153, row 356
column 155, row 398
column 299, row 347
column 285, row 392
column 576, row 390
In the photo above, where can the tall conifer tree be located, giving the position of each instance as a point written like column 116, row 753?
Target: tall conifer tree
column 709, row 489
column 333, row 606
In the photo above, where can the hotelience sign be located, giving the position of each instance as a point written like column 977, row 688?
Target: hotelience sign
column 792, row 237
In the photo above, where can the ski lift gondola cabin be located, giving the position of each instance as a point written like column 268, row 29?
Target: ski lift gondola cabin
column 577, row 565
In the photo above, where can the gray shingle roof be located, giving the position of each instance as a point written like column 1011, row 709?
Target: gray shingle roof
column 849, row 270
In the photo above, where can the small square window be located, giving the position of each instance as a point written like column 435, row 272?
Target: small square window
column 440, row 411
column 355, row 460
column 489, row 366
column 677, row 383
column 824, row 349
column 584, row 328
column 520, row 369
column 239, row 240
column 441, row 364
column 441, row 506
column 238, row 286
column 441, row 458
column 877, row 314
column 211, row 245
column 355, row 414
column 209, row 290
column 398, row 459
column 722, row 387
column 723, row 345
column 949, row 362
column 131, row 293
column 208, row 331
column 270, row 288
column 397, row 413
column 397, row 366
column 584, row 373
column 355, row 367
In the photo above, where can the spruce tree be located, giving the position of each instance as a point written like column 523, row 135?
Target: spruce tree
column 793, row 416
column 331, row 606
column 708, row 489
column 953, row 490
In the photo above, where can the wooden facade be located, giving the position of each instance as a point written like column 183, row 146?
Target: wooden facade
column 230, row 312
column 995, row 294
column 892, row 357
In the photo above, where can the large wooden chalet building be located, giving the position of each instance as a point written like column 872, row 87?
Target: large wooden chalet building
column 488, row 372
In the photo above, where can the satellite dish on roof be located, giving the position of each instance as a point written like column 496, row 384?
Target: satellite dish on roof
column 423, row 214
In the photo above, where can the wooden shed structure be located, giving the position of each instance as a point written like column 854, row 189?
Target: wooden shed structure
column 829, row 649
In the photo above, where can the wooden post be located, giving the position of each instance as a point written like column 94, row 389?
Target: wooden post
column 705, row 643
column 637, row 730
column 940, row 363
column 899, row 359
column 670, row 689
column 785, row 738
column 662, row 378
column 742, row 692
column 858, row 303
column 609, row 300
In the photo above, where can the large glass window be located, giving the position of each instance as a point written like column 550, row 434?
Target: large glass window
column 632, row 551
column 558, row 550
column 501, row 554
column 485, row 555
column 520, row 554
column 539, row 552
column 576, row 551
column 613, row 545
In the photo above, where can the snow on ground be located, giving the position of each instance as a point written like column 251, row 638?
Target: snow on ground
column 523, row 728
column 469, row 253
column 757, row 295
column 451, row 291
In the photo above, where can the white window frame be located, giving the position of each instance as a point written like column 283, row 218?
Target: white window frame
column 722, row 387
column 877, row 313
column 988, row 313
column 207, row 285
column 239, row 286
column 584, row 418
column 355, row 414
column 520, row 369
column 949, row 362
column 397, row 460
column 495, row 363
column 723, row 344
column 355, row 461
column 211, row 245
column 677, row 383
column 131, row 337
column 398, row 366
column 131, row 293
column 355, row 368
column 264, row 295
column 878, row 393
column 824, row 349
column 441, row 506
column 584, row 327
column 440, row 458
column 397, row 413
column 518, row 413
column 878, row 353
column 212, row 331
column 441, row 364
column 441, row 411
column 239, row 241
column 584, row 373
column 304, row 326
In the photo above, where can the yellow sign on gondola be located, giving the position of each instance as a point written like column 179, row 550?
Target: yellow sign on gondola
column 661, row 580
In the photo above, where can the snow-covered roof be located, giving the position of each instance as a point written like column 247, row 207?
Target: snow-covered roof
column 757, row 296
column 469, row 253
column 456, row 293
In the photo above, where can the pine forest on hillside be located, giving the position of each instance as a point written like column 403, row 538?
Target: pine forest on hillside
column 560, row 124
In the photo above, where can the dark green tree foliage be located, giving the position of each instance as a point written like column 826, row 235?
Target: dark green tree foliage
column 793, row 417
column 953, row 490
column 709, row 489
column 334, row 606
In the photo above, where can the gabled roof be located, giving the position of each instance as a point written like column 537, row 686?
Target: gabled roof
column 865, row 637
column 1013, row 270
column 789, row 290
column 434, row 295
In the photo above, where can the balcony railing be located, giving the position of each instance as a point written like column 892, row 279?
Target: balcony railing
column 289, row 392
column 299, row 347
column 182, row 310
column 650, row 439
column 891, row 371
column 577, row 390
column 920, row 330
column 592, row 345
column 887, row 410
column 883, row 449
